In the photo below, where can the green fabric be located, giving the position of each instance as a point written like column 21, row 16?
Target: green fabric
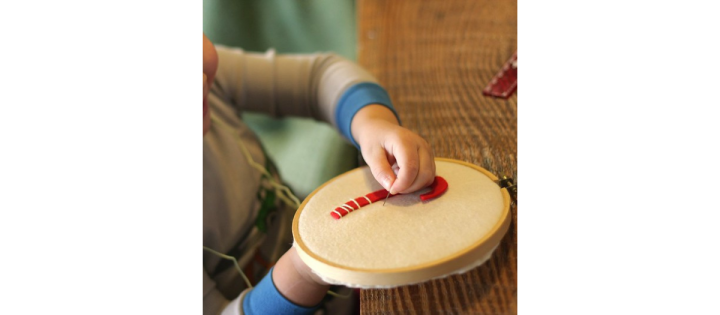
column 289, row 26
column 307, row 153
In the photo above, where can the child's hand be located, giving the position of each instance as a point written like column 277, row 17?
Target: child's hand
column 390, row 149
column 295, row 281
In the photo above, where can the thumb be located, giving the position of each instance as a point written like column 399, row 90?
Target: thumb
column 380, row 168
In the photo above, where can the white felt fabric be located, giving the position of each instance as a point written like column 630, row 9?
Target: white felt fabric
column 405, row 232
column 364, row 286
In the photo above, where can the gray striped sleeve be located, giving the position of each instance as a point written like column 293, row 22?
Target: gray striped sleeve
column 305, row 85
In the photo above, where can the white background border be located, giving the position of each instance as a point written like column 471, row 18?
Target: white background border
column 100, row 170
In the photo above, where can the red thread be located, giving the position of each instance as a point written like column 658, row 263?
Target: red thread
column 438, row 187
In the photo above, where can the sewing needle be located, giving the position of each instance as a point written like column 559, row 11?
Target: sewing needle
column 386, row 198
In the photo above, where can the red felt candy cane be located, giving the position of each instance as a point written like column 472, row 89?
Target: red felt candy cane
column 438, row 187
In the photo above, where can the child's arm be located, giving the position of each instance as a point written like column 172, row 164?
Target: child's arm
column 329, row 88
column 300, row 85
column 290, row 288
column 296, row 282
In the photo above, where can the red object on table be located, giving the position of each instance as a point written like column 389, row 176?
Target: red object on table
column 504, row 84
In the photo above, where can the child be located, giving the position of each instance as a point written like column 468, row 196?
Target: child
column 242, row 216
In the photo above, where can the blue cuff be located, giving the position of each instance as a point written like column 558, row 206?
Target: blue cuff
column 265, row 298
column 355, row 98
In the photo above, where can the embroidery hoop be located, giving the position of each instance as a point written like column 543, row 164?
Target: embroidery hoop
column 467, row 258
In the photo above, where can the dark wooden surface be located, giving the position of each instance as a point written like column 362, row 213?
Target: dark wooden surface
column 434, row 58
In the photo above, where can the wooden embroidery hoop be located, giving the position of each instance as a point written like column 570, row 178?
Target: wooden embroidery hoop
column 460, row 261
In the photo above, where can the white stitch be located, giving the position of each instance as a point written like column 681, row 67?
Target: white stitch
column 356, row 203
column 346, row 207
column 338, row 213
column 368, row 199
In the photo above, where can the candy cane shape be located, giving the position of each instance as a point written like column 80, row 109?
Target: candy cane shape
column 438, row 187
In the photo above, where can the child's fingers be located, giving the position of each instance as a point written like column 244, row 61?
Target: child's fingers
column 426, row 172
column 380, row 167
column 409, row 162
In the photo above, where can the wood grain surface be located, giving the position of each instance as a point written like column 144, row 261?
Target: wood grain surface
column 434, row 58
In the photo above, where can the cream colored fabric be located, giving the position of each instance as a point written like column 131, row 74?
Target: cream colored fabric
column 406, row 232
column 462, row 270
